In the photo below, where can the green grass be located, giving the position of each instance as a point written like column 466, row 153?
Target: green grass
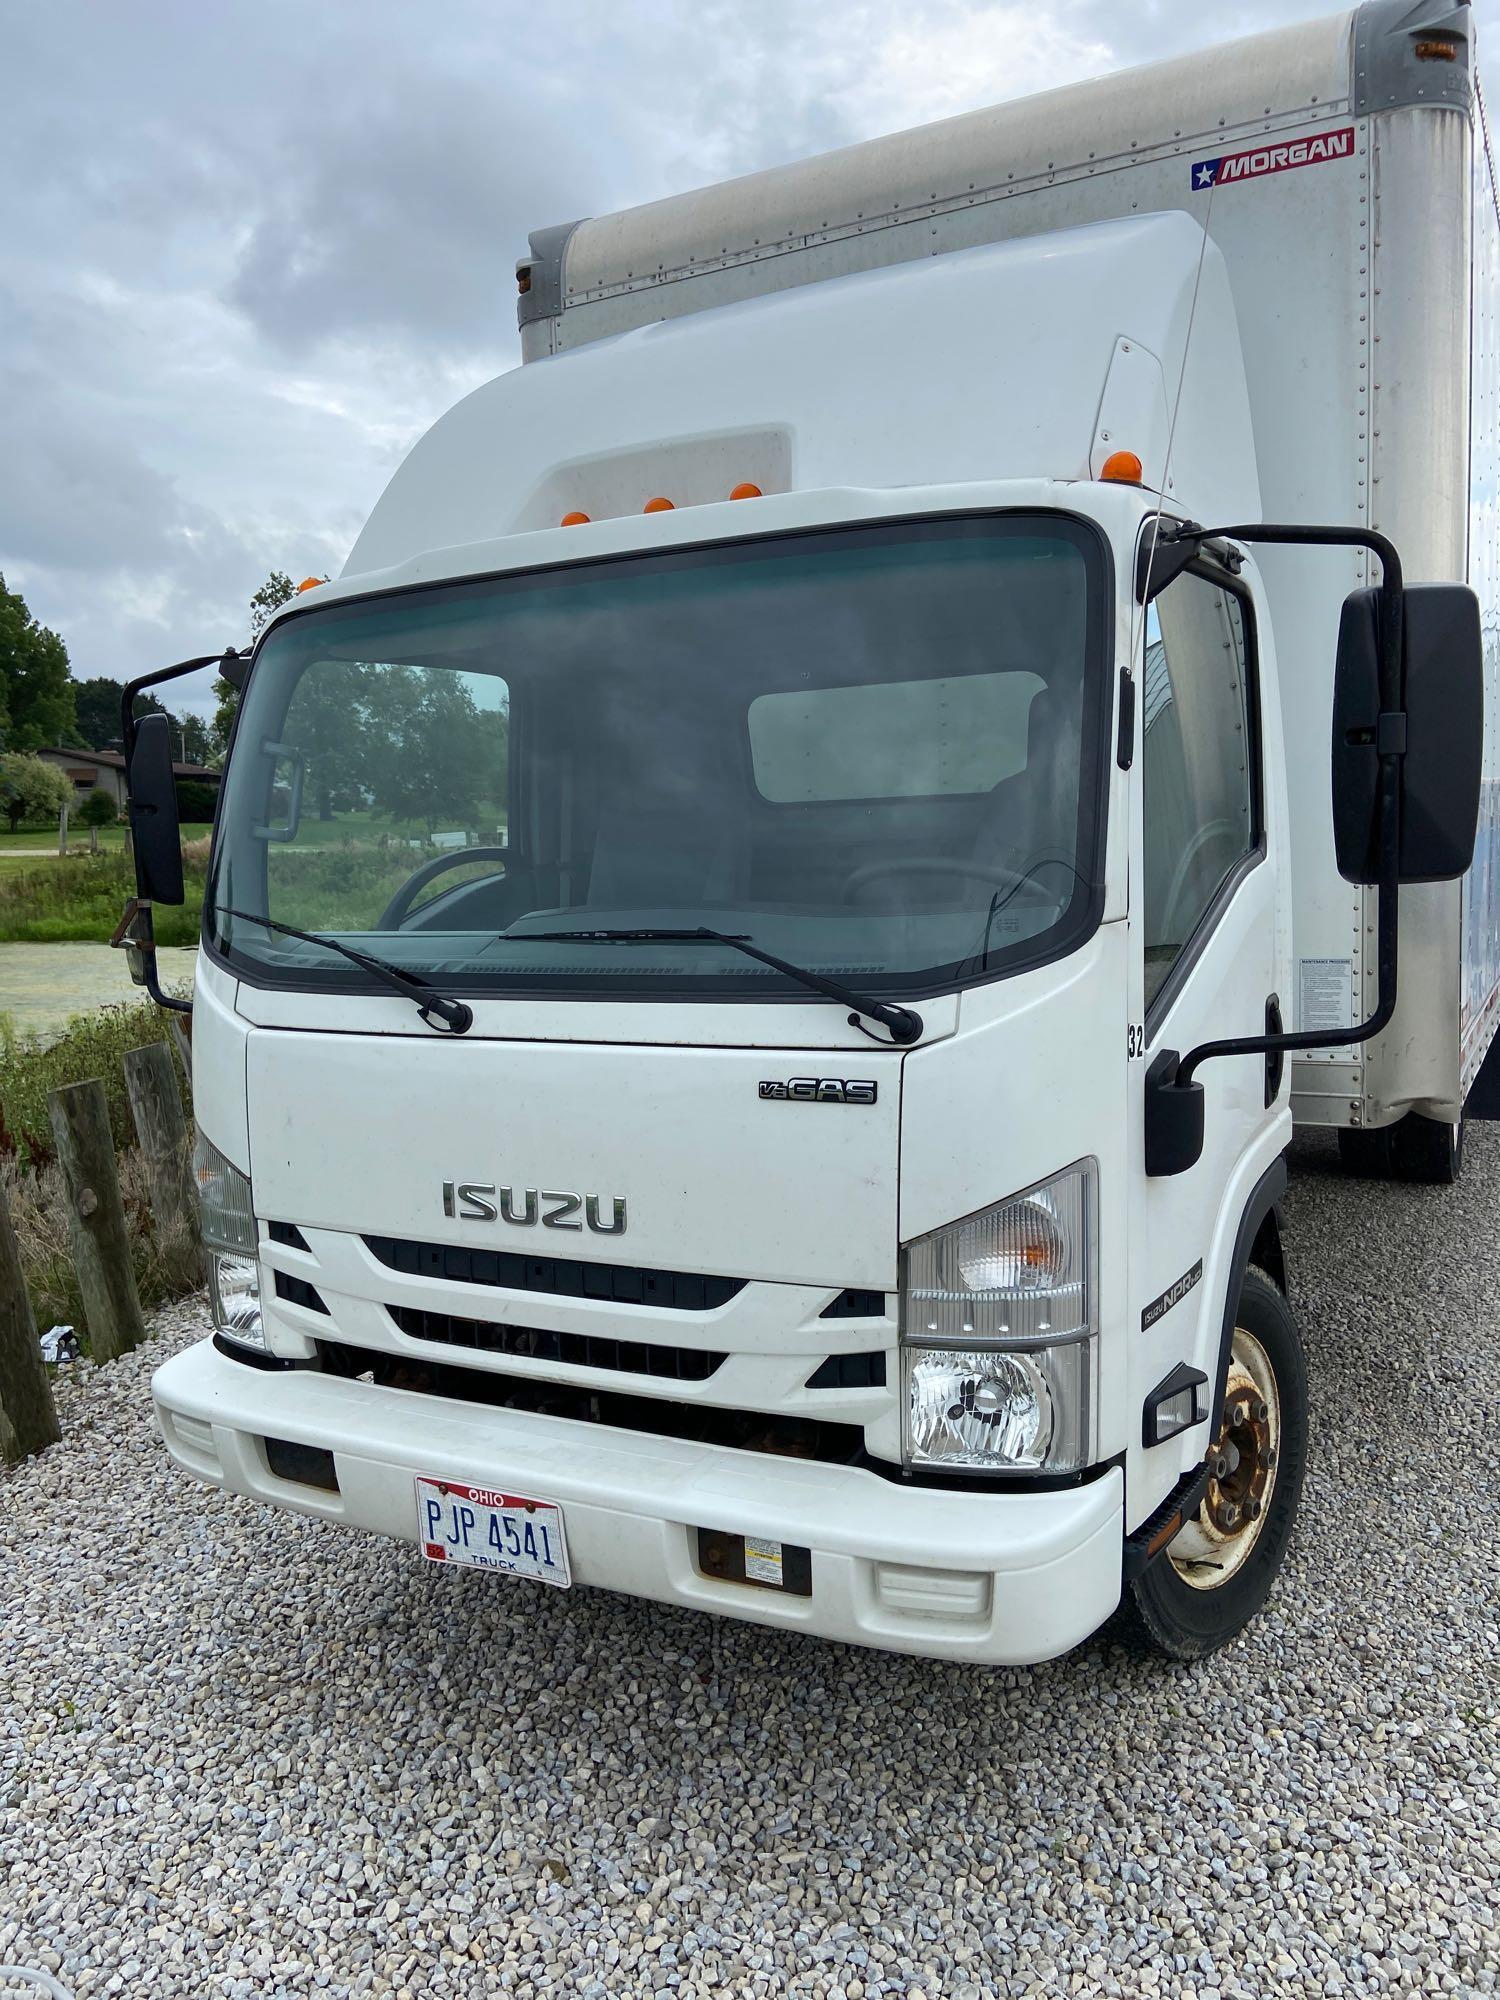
column 43, row 840
column 339, row 885
column 89, row 1045
column 79, row 899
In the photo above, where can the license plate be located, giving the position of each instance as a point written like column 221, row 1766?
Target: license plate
column 483, row 1529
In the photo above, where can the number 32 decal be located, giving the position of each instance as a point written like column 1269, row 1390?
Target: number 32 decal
column 1135, row 1042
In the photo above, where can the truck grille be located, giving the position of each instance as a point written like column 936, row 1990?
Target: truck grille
column 742, row 1430
column 573, row 1350
column 560, row 1277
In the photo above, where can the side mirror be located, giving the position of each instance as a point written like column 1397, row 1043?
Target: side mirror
column 153, row 814
column 1444, row 740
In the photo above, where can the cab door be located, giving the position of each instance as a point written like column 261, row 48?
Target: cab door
column 1204, row 921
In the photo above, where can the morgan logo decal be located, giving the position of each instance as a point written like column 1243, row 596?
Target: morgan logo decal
column 1258, row 161
column 1172, row 1296
column 820, row 1090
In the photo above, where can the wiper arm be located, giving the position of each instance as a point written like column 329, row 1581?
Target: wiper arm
column 904, row 1025
column 459, row 1017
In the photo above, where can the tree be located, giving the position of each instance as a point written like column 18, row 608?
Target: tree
column 278, row 589
column 36, row 695
column 30, row 789
column 97, row 705
column 98, row 809
column 430, row 747
column 196, row 739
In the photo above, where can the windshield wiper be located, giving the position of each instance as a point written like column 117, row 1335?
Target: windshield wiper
column 904, row 1025
column 460, row 1018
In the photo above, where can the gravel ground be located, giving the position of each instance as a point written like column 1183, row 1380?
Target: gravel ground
column 242, row 1754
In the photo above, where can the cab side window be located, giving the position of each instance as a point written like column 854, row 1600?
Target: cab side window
column 1199, row 761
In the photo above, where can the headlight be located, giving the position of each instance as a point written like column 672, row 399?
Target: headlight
column 997, row 1331
column 232, row 1241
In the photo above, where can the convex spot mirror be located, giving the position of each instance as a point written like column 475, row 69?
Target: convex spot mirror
column 1444, row 703
column 153, row 814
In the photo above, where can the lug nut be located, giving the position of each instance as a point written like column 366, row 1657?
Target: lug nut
column 1229, row 1516
column 1262, row 1412
column 1219, row 1466
column 1254, row 1509
column 1268, row 1459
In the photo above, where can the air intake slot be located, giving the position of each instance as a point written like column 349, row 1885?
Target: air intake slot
column 849, row 1371
column 559, row 1277
column 855, row 1305
column 297, row 1292
column 572, row 1350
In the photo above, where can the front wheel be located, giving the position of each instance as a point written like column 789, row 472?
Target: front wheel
column 1212, row 1579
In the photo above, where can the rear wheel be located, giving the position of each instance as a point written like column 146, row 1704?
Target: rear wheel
column 1429, row 1149
column 1213, row 1578
column 1413, row 1149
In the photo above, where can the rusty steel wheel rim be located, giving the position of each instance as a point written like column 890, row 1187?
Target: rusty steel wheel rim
column 1216, row 1544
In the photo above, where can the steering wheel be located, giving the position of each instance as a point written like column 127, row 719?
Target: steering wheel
column 1182, row 874
column 997, row 876
column 399, row 907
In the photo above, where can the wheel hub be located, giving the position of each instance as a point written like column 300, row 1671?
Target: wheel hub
column 1242, row 1472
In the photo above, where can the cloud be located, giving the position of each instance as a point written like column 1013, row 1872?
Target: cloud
column 251, row 253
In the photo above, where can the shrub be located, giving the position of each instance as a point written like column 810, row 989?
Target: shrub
column 98, row 809
column 196, row 800
column 90, row 1045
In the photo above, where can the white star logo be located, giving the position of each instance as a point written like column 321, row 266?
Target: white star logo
column 1204, row 177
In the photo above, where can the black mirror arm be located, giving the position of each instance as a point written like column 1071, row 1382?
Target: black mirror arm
column 1391, row 746
column 229, row 663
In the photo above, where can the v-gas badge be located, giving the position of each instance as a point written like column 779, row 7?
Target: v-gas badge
column 821, row 1090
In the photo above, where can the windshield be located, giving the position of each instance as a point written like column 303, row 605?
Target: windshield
column 873, row 751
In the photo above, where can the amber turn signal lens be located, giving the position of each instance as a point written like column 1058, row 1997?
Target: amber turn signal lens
column 574, row 519
column 1123, row 467
column 746, row 491
column 310, row 583
column 658, row 506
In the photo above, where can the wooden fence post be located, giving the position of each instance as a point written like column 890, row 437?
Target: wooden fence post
column 28, row 1420
column 97, row 1232
column 156, row 1106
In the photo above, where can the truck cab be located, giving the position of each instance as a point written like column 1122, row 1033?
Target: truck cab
column 707, row 921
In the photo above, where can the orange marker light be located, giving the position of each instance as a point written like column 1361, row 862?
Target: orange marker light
column 1123, row 467
column 310, row 583
column 745, row 491
column 660, row 505
column 574, row 519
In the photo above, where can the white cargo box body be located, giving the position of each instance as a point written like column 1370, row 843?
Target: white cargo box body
column 1339, row 168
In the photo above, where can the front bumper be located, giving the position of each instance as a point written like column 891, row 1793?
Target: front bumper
column 1008, row 1578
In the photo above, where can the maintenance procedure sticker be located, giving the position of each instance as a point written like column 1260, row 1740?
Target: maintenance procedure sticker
column 1257, row 161
column 1326, row 996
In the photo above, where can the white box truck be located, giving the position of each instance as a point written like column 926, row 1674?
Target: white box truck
column 767, row 937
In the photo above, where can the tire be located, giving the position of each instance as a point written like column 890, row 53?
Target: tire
column 1428, row 1150
column 1165, row 1613
column 1366, row 1155
column 1414, row 1149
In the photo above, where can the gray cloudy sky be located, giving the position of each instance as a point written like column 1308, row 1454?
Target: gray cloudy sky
column 248, row 252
